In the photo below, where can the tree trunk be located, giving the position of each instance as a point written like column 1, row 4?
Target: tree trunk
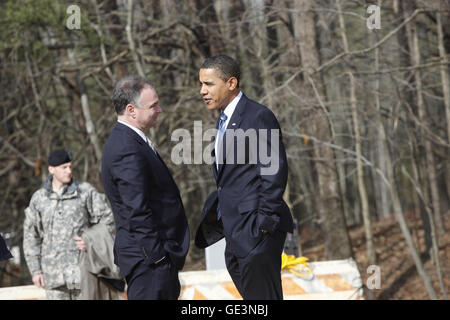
column 430, row 161
column 405, row 230
column 131, row 44
column 208, row 32
column 332, row 219
column 445, row 87
column 385, row 201
column 434, row 238
column 90, row 127
column 359, row 168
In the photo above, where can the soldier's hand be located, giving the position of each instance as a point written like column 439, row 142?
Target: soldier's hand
column 38, row 280
column 80, row 244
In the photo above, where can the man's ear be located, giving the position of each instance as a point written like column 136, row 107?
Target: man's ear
column 129, row 108
column 232, row 83
column 50, row 169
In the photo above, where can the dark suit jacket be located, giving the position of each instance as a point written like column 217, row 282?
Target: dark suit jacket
column 148, row 211
column 249, row 200
column 4, row 252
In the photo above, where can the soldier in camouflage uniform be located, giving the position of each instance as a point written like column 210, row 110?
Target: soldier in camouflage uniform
column 54, row 221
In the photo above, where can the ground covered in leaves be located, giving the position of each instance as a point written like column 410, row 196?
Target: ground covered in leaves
column 399, row 277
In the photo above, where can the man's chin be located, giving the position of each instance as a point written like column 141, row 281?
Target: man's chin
column 212, row 107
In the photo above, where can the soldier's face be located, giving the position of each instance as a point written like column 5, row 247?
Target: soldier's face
column 62, row 173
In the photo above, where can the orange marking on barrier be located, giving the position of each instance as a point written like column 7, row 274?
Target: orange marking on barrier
column 198, row 295
column 231, row 288
column 291, row 288
column 335, row 281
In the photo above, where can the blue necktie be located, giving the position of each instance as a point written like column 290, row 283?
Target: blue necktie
column 222, row 119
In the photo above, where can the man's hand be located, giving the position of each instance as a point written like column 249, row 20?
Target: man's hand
column 38, row 280
column 80, row 244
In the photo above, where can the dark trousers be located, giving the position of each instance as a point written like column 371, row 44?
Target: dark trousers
column 154, row 282
column 258, row 275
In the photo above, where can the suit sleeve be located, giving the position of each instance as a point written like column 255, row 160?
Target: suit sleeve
column 272, row 169
column 133, row 177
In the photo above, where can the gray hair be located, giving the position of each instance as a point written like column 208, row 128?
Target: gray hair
column 128, row 90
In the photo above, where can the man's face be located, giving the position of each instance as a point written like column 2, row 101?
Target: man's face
column 62, row 173
column 148, row 110
column 215, row 92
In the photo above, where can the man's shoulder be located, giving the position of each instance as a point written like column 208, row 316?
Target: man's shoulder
column 121, row 140
column 117, row 133
column 258, row 110
column 85, row 187
column 39, row 195
column 254, row 106
column 38, row 200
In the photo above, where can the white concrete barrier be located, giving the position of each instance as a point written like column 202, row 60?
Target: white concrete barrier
column 330, row 280
column 22, row 293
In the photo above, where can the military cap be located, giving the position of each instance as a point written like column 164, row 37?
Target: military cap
column 59, row 157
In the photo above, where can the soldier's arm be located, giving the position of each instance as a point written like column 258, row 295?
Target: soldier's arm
column 99, row 209
column 32, row 238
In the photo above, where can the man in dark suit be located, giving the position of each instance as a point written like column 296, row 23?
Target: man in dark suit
column 152, row 237
column 250, row 169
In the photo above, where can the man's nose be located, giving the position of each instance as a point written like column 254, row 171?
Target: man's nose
column 203, row 91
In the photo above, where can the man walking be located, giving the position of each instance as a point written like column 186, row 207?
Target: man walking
column 247, row 207
column 55, row 219
column 152, row 237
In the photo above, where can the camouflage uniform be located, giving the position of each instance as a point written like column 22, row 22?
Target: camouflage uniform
column 52, row 220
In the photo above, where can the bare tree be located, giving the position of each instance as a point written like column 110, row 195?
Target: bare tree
column 332, row 220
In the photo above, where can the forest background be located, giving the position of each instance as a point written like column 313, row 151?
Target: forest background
column 360, row 88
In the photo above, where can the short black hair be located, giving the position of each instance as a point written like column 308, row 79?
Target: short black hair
column 127, row 90
column 227, row 66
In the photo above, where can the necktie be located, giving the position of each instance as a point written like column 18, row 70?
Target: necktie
column 150, row 143
column 222, row 119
